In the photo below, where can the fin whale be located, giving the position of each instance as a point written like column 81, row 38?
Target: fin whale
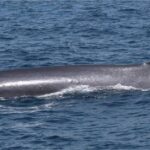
column 45, row 80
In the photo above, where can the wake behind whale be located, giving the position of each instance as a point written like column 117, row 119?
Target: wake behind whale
column 46, row 80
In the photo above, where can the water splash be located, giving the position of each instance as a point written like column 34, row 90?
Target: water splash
column 70, row 90
column 87, row 89
column 81, row 89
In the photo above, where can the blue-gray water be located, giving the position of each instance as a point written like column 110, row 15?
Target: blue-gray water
column 60, row 32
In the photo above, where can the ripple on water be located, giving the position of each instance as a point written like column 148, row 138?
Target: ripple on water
column 48, row 33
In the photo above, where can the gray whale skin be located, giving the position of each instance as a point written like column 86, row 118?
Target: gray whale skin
column 45, row 80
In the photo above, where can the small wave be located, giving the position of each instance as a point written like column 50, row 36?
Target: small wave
column 125, row 87
column 122, row 87
column 87, row 89
column 4, row 109
column 83, row 89
column 70, row 90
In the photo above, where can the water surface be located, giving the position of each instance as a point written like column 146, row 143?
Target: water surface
column 49, row 33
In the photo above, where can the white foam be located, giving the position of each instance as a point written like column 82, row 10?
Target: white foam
column 122, row 87
column 72, row 89
column 125, row 87
column 87, row 89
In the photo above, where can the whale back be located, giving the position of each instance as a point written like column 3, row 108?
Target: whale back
column 37, row 81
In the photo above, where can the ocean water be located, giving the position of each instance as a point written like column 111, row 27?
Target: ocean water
column 61, row 32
